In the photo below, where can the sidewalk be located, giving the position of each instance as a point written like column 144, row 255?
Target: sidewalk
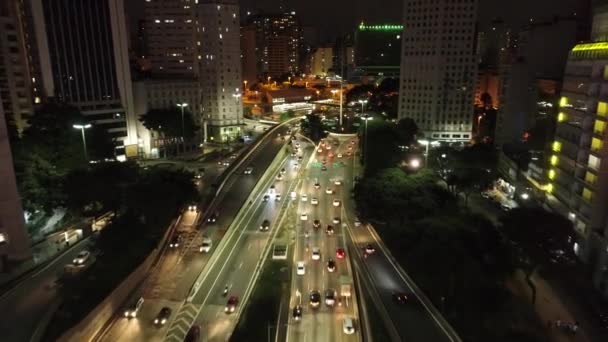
column 549, row 307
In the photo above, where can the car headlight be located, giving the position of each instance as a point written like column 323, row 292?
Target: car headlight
column 126, row 313
column 163, row 321
column 156, row 321
column 226, row 309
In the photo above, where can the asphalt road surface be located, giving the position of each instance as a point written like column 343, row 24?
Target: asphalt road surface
column 323, row 322
column 170, row 281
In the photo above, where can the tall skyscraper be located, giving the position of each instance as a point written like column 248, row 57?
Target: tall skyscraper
column 578, row 174
column 14, row 240
column 278, row 40
column 221, row 82
column 439, row 67
column 321, row 61
column 15, row 81
column 83, row 53
column 171, row 37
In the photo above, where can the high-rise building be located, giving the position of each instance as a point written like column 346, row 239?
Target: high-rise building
column 578, row 171
column 221, row 85
column 378, row 49
column 15, row 81
column 278, row 40
column 171, row 37
column 82, row 46
column 439, row 67
column 248, row 54
column 321, row 61
column 14, row 239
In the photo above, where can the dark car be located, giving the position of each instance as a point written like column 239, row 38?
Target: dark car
column 316, row 224
column 330, row 297
column 266, row 198
column 163, row 316
column 399, row 297
column 329, row 230
column 231, row 304
column 331, row 265
column 323, row 168
column 265, row 225
column 315, row 298
column 212, row 218
column 297, row 312
column 193, row 334
column 174, row 242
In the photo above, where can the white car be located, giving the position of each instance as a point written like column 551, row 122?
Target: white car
column 316, row 253
column 293, row 195
column 338, row 182
column 82, row 258
column 280, row 177
column 337, row 203
column 357, row 223
column 304, row 198
column 206, row 245
column 339, row 155
column 304, row 217
column 347, row 326
column 336, row 220
column 277, row 197
column 300, row 268
column 314, row 201
column 329, row 191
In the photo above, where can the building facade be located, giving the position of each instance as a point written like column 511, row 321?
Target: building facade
column 15, row 80
column 14, row 239
column 82, row 47
column 322, row 61
column 248, row 55
column 278, row 39
column 377, row 49
column 221, row 82
column 439, row 67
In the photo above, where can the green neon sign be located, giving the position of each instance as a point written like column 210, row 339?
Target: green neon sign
column 364, row 27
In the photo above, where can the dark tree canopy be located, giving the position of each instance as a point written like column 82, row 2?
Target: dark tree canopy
column 169, row 122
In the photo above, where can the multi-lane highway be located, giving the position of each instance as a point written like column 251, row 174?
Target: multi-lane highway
column 321, row 262
column 170, row 282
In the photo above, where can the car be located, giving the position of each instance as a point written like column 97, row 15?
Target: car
column 324, row 162
column 330, row 297
column 399, row 297
column 339, row 155
column 81, row 258
column 198, row 176
column 231, row 304
column 297, row 312
column 350, row 148
column 323, row 168
column 272, row 188
column 320, row 150
column 192, row 207
column 349, row 153
column 329, row 191
column 300, row 158
column 163, row 316
column 314, row 201
column 347, row 326
column 279, row 177
column 283, row 171
column 316, row 253
column 300, row 268
column 220, row 163
column 330, row 155
column 248, row 170
column 225, row 163
column 485, row 194
column 298, row 145
column 205, row 245
column 329, row 230
column 304, row 217
column 369, row 249
column 277, row 197
column 357, row 223
column 331, row 265
column 336, row 203
column 293, row 154
column 340, row 253
column 316, row 223
column 352, row 142
column 315, row 298
column 233, row 156
column 328, row 147
column 293, row 195
column 133, row 309
column 336, row 220
column 337, row 182
column 212, row 218
column 317, row 185
column 193, row 334
column 265, row 198
column 505, row 207
column 174, row 243
column 265, row 225
column 304, row 197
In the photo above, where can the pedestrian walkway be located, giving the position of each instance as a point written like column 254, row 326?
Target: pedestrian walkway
column 550, row 309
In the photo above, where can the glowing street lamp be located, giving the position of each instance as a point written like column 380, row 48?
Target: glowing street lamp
column 365, row 118
column 84, row 139
column 414, row 163
column 269, row 80
column 182, row 106
column 362, row 102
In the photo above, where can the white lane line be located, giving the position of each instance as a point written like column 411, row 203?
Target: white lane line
column 240, row 265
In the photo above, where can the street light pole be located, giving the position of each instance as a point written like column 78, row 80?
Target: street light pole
column 84, row 139
column 182, row 106
column 366, row 119
column 341, row 103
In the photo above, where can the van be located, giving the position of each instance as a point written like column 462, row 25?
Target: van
column 348, row 326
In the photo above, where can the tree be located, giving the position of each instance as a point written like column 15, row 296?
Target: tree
column 360, row 92
column 389, row 85
column 540, row 235
column 168, row 122
column 406, row 131
column 312, row 127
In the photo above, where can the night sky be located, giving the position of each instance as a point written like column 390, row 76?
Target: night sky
column 335, row 17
